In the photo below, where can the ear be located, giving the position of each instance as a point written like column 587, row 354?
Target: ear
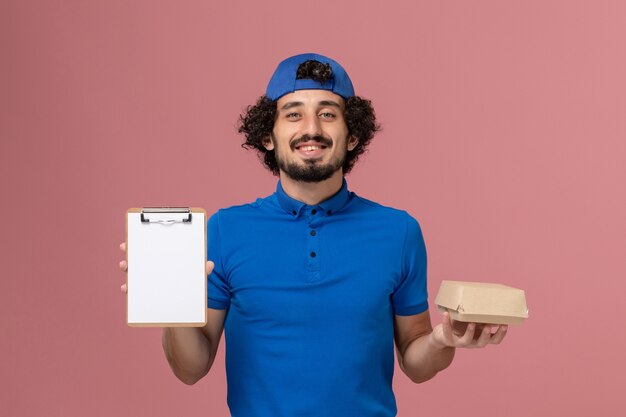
column 267, row 143
column 352, row 142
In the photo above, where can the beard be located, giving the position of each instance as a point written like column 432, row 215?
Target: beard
column 311, row 170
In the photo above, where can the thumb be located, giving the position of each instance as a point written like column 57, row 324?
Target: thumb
column 209, row 267
column 446, row 329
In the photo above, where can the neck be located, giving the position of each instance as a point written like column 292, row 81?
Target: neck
column 312, row 193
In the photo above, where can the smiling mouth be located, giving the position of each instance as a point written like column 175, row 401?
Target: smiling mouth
column 311, row 151
column 308, row 148
column 311, row 143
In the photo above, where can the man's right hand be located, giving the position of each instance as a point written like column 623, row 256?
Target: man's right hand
column 124, row 267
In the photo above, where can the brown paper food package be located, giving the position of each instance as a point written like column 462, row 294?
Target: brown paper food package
column 482, row 302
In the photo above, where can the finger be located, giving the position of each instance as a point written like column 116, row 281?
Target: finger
column 209, row 267
column 123, row 266
column 478, row 331
column 459, row 327
column 468, row 337
column 123, row 246
column 484, row 338
column 499, row 335
column 124, row 288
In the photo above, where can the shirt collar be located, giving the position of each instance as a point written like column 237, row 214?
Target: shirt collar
column 330, row 206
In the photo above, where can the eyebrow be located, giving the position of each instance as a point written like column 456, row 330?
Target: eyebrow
column 330, row 103
column 292, row 104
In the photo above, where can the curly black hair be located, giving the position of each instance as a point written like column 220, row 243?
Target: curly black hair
column 257, row 121
column 315, row 70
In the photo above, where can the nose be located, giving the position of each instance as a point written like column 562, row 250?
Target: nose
column 312, row 125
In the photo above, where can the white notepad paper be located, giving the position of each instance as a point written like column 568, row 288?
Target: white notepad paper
column 166, row 255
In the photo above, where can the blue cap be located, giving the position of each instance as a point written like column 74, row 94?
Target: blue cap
column 284, row 79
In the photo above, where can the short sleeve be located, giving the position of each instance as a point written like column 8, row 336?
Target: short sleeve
column 218, row 288
column 411, row 294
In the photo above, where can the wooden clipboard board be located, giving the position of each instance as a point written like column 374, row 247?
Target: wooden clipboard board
column 166, row 251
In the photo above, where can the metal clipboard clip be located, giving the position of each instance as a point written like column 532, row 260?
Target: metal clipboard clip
column 166, row 215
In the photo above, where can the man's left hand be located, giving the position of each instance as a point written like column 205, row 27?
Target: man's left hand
column 455, row 334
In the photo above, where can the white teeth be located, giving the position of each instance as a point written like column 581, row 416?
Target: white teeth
column 311, row 148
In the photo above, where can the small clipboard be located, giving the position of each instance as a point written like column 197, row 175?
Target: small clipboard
column 166, row 256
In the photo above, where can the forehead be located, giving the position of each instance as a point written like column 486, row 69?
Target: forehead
column 310, row 97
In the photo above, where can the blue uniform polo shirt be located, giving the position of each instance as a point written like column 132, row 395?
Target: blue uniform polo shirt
column 311, row 293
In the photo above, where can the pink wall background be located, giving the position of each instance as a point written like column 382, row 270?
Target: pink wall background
column 504, row 134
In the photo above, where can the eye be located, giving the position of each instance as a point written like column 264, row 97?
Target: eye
column 327, row 115
column 292, row 115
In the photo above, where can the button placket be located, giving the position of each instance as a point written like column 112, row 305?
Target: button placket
column 313, row 247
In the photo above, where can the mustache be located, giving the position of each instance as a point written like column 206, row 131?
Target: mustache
column 306, row 138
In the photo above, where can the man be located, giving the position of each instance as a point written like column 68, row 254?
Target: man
column 313, row 283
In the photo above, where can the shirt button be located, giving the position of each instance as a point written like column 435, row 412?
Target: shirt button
column 313, row 254
column 313, row 211
column 293, row 212
column 313, row 233
column 330, row 212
